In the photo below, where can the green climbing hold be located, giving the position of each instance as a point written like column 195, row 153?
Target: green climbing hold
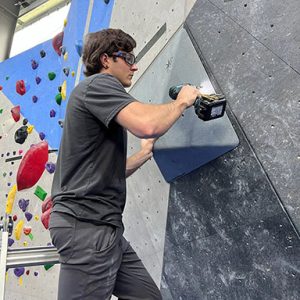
column 47, row 267
column 39, row 192
column 58, row 99
column 7, row 77
column 51, row 75
column 1, row 110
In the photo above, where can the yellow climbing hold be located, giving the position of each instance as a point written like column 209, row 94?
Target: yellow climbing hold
column 66, row 56
column 73, row 73
column 30, row 128
column 19, row 229
column 64, row 90
column 65, row 22
column 11, row 199
column 36, row 217
column 25, row 244
column 20, row 281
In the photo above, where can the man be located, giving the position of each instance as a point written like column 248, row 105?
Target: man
column 89, row 187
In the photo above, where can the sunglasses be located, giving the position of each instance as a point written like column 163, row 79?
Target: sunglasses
column 128, row 57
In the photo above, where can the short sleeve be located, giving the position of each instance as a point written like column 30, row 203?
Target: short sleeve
column 105, row 97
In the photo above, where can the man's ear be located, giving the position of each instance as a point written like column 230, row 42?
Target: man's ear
column 104, row 59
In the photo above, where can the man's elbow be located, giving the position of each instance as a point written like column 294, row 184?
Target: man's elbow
column 147, row 131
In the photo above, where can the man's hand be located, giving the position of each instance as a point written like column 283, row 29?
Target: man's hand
column 147, row 145
column 188, row 95
column 138, row 159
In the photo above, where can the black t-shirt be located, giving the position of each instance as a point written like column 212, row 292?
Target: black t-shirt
column 89, row 180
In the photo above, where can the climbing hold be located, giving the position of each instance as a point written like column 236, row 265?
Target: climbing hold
column 38, row 80
column 25, row 244
column 57, row 42
column 1, row 87
column 46, row 210
column 64, row 90
column 25, row 121
column 34, row 64
column 30, row 128
column 36, row 217
column 52, row 113
column 35, row 273
column 47, row 267
column 34, row 99
column 32, row 165
column 11, row 199
column 15, row 218
column 20, row 87
column 66, row 55
column 78, row 47
column 23, row 204
column 63, row 50
column 58, row 98
column 42, row 135
column 27, row 272
column 50, row 167
column 73, row 73
column 27, row 231
column 47, row 204
column 51, row 75
column 7, row 77
column 1, row 110
column 66, row 71
column 10, row 242
column 65, row 22
column 28, row 216
column 59, row 89
column 40, row 193
column 15, row 112
column 42, row 53
column 61, row 123
column 106, row 1
column 20, row 151
column 19, row 271
column 21, row 135
column 18, row 229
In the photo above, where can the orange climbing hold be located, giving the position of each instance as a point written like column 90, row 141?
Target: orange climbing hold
column 57, row 42
column 32, row 166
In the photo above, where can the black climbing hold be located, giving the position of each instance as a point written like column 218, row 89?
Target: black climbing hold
column 21, row 135
column 42, row 53
column 25, row 121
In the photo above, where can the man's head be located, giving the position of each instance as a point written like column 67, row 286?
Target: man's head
column 110, row 51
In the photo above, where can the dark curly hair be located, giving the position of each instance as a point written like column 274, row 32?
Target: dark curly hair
column 104, row 41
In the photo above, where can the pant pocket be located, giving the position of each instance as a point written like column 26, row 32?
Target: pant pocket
column 62, row 231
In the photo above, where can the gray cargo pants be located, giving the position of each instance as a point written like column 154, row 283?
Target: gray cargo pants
column 97, row 261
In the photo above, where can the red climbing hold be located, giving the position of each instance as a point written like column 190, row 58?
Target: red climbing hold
column 57, row 42
column 1, row 87
column 46, row 210
column 20, row 87
column 32, row 165
column 15, row 112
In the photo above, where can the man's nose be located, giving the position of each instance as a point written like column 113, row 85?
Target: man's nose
column 134, row 67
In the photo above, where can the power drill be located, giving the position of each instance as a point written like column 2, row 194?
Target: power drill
column 207, row 107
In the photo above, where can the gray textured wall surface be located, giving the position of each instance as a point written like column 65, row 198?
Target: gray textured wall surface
column 232, row 228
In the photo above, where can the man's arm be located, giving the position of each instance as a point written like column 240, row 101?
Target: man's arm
column 153, row 120
column 138, row 159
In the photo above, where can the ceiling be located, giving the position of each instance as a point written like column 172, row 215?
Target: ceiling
column 30, row 10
